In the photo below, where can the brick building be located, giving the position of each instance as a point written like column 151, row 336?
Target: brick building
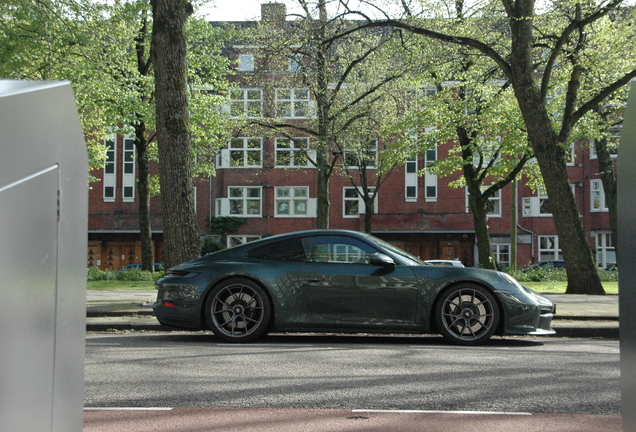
column 265, row 179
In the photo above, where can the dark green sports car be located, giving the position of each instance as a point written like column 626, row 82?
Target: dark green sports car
column 343, row 281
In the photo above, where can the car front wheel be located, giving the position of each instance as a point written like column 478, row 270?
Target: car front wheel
column 238, row 311
column 467, row 314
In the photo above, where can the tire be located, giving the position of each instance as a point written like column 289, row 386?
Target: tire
column 238, row 310
column 467, row 314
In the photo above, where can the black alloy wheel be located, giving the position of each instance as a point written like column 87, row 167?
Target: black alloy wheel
column 467, row 314
column 238, row 310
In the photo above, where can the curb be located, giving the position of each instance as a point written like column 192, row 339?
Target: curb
column 610, row 331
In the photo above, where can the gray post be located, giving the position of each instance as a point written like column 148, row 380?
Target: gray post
column 43, row 237
column 627, row 261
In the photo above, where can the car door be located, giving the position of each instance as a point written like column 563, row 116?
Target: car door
column 340, row 284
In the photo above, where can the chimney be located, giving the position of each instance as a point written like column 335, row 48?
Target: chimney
column 274, row 14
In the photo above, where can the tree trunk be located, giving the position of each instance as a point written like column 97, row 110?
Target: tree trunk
column 322, row 105
column 143, row 179
column 582, row 275
column 181, row 233
column 479, row 211
column 368, row 213
column 322, row 192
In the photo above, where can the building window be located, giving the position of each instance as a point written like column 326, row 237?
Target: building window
column 536, row 206
column 296, row 63
column 246, row 63
column 235, row 240
column 501, row 253
column 493, row 207
column 571, row 155
column 335, row 249
column 110, row 169
column 293, row 153
column 353, row 204
column 605, row 250
column 241, row 202
column 242, row 152
column 294, row 201
column 410, row 180
column 245, row 201
column 246, row 103
column 415, row 98
column 597, row 198
column 128, row 178
column 430, row 180
column 364, row 156
column 486, row 151
column 549, row 249
column 292, row 103
column 544, row 204
column 612, row 142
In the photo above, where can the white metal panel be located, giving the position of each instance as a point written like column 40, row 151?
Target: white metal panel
column 28, row 267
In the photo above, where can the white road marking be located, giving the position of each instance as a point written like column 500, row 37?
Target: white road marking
column 264, row 345
column 443, row 412
column 102, row 344
column 127, row 409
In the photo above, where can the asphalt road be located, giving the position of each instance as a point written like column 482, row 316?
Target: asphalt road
column 511, row 375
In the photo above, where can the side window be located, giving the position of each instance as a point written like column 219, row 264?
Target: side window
column 336, row 249
column 286, row 250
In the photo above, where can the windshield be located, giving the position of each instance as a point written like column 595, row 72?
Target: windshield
column 410, row 259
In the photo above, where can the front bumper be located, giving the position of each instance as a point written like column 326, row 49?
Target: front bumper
column 528, row 313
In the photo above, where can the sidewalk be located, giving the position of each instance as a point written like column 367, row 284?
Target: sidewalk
column 577, row 315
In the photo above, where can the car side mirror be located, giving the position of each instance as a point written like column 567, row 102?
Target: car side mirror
column 381, row 260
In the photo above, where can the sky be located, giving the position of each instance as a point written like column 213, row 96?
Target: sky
column 248, row 10
column 233, row 10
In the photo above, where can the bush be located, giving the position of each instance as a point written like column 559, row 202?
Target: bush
column 211, row 246
column 552, row 274
column 95, row 274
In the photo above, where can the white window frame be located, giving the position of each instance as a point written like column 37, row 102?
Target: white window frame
column 615, row 134
column 498, row 253
column 495, row 200
column 238, row 149
column 296, row 63
column 413, row 97
column 552, row 253
column 605, row 250
column 571, row 160
column 430, row 180
column 235, row 240
column 357, row 199
column 352, row 155
column 532, row 206
column 241, row 204
column 128, row 179
column 295, row 147
column 296, row 200
column 411, row 180
column 294, row 103
column 489, row 147
column 246, row 103
column 246, row 62
column 110, row 169
column 597, row 196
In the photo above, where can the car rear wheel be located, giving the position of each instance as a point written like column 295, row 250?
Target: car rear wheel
column 238, row 311
column 467, row 314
